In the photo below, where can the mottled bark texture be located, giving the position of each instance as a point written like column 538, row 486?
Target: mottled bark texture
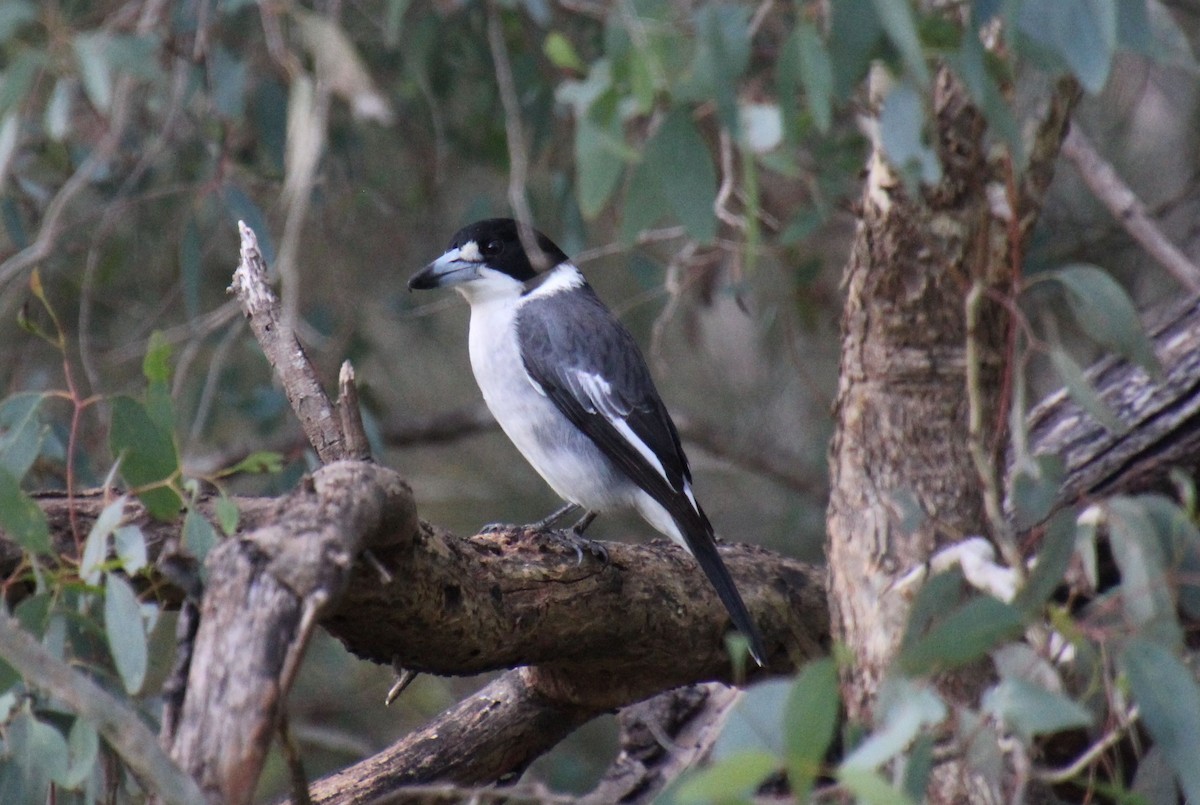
column 903, row 481
column 266, row 591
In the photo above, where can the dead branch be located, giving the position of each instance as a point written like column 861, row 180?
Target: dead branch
column 660, row 738
column 1161, row 417
column 285, row 354
column 265, row 593
column 1129, row 210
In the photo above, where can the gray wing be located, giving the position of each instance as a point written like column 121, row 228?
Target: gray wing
column 585, row 361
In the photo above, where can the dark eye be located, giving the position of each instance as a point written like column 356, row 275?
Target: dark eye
column 492, row 248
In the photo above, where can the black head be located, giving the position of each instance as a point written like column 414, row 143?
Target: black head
column 493, row 243
column 499, row 242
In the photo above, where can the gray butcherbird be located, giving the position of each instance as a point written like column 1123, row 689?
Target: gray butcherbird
column 569, row 386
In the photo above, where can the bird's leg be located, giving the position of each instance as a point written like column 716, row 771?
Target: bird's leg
column 573, row 538
column 583, row 523
column 553, row 517
column 541, row 525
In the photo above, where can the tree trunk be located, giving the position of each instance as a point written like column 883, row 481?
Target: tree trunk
column 904, row 479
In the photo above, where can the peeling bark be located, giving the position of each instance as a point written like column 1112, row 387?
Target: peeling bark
column 904, row 479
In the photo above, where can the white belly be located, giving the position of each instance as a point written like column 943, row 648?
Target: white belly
column 568, row 461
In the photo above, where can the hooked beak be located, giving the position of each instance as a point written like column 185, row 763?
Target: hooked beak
column 452, row 268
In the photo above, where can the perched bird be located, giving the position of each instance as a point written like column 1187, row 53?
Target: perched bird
column 569, row 386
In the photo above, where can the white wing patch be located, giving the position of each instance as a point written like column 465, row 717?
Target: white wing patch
column 595, row 394
column 536, row 385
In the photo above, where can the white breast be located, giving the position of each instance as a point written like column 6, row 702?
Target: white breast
column 568, row 461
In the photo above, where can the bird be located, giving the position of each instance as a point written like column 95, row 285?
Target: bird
column 567, row 384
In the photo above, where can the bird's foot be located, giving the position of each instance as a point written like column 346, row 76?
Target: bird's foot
column 539, row 525
column 573, row 540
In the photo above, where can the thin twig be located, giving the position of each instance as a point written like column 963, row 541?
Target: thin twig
column 121, row 727
column 728, row 183
column 514, row 134
column 1128, row 209
column 294, row 761
column 209, row 391
column 106, row 149
column 985, row 467
column 1071, row 770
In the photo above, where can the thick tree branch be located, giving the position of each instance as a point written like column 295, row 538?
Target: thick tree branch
column 265, row 593
column 1160, row 417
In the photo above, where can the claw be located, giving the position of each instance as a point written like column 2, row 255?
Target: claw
column 579, row 544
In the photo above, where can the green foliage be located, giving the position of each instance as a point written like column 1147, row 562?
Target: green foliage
column 1104, row 311
column 1169, row 698
column 650, row 90
column 810, row 722
column 149, row 459
column 126, row 632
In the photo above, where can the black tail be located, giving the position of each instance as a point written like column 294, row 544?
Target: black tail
column 698, row 533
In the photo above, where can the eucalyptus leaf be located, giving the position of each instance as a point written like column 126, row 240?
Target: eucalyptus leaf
column 561, row 52
column 1081, row 391
column 1137, row 548
column 130, row 545
column 227, row 514
column 1180, row 541
column 754, row 723
column 908, row 707
column 810, row 721
column 21, row 517
column 1169, row 700
column 126, row 632
column 40, row 751
column 598, row 164
column 816, row 74
column 198, row 535
column 22, row 432
column 1030, row 710
column 1105, row 312
column 870, row 788
column 148, row 456
column 682, row 166
column 1080, row 32
column 900, row 25
column 95, row 69
column 735, row 776
column 1035, row 490
column 260, row 461
column 902, row 134
column 15, row 15
column 95, row 547
column 965, row 634
column 918, row 767
column 1054, row 555
column 83, row 745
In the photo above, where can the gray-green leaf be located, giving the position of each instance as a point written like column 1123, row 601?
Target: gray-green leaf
column 126, row 632
column 1104, row 311
column 1166, row 693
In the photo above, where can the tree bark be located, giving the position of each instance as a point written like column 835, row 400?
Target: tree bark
column 904, row 460
column 265, row 594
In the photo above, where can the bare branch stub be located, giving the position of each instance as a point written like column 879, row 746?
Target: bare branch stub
column 312, row 405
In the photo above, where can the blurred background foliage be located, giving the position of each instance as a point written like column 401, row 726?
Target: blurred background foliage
column 699, row 159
